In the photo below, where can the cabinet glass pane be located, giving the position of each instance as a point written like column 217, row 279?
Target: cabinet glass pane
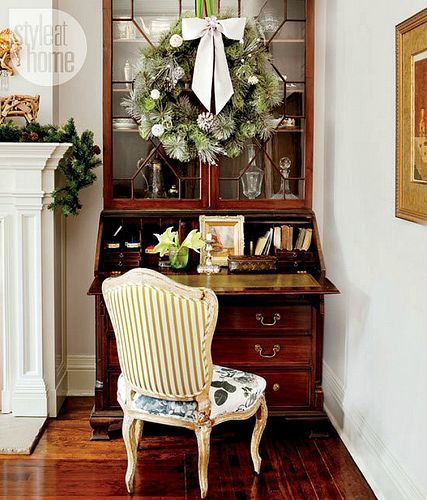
column 288, row 50
column 122, row 9
column 140, row 170
column 272, row 171
column 230, row 6
column 296, row 9
column 187, row 6
column 126, row 53
column 128, row 149
column 119, row 92
column 294, row 104
column 270, row 14
column 154, row 17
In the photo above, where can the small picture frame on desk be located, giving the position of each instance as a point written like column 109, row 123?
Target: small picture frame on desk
column 411, row 118
column 227, row 233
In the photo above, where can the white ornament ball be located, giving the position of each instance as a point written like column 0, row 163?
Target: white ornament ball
column 253, row 80
column 155, row 94
column 157, row 130
column 176, row 41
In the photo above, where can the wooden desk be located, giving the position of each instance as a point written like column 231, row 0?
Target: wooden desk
column 271, row 324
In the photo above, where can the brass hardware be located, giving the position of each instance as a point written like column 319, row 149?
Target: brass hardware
column 121, row 255
column 260, row 317
column 276, row 387
column 258, row 349
column 120, row 263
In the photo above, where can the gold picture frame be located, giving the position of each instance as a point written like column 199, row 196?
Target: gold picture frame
column 411, row 118
column 227, row 231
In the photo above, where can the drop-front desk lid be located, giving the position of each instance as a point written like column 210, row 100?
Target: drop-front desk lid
column 251, row 284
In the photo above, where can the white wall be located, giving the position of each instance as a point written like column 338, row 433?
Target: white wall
column 376, row 342
column 81, row 98
column 17, row 84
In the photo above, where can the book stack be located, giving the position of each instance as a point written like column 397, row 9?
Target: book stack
column 282, row 238
column 304, row 238
column 263, row 243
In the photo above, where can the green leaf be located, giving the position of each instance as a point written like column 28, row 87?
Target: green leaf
column 224, row 385
column 220, row 397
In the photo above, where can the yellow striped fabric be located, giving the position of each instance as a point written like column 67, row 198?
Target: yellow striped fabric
column 160, row 339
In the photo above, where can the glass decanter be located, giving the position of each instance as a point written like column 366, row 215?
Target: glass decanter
column 253, row 177
column 285, row 191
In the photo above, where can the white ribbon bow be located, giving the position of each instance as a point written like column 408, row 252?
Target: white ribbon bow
column 211, row 65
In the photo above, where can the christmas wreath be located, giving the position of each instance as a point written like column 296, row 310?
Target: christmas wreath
column 168, row 107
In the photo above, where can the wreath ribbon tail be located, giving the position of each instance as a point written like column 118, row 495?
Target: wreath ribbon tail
column 211, row 67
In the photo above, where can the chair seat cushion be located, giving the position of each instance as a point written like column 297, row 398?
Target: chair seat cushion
column 232, row 391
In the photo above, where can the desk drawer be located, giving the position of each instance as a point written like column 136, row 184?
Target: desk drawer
column 265, row 317
column 287, row 388
column 262, row 350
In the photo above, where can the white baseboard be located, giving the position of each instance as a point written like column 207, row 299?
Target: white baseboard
column 81, row 375
column 382, row 470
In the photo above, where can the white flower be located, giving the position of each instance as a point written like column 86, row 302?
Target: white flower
column 155, row 94
column 205, row 121
column 253, row 80
column 176, row 41
column 157, row 130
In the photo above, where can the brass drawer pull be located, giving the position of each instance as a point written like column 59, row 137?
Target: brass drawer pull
column 260, row 317
column 276, row 349
column 276, row 387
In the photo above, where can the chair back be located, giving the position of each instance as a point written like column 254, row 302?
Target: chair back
column 163, row 332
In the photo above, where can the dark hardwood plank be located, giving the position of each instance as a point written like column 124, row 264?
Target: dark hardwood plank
column 339, row 462
column 66, row 464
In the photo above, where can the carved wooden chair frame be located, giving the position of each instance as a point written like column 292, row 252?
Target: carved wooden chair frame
column 133, row 419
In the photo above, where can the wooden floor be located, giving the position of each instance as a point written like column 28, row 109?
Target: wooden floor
column 66, row 464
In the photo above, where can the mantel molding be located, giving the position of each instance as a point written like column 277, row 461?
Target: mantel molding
column 32, row 258
column 32, row 155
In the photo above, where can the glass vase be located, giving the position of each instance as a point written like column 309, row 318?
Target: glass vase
column 178, row 258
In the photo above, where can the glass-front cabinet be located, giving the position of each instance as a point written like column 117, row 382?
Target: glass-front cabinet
column 269, row 324
column 276, row 173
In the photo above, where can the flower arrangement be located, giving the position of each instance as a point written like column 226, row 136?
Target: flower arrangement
column 178, row 252
column 167, row 110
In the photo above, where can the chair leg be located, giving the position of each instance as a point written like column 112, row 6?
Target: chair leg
column 139, row 428
column 203, row 434
column 129, row 436
column 260, row 423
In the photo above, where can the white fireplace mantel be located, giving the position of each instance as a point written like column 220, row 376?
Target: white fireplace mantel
column 32, row 271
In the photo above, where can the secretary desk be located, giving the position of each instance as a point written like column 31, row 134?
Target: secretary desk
column 270, row 324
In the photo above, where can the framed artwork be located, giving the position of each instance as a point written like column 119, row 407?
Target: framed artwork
column 411, row 118
column 227, row 233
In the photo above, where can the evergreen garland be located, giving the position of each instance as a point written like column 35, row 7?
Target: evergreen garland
column 77, row 164
column 167, row 111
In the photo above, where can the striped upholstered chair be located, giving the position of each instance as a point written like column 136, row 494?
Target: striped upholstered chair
column 164, row 333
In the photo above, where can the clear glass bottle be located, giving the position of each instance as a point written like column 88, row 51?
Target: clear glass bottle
column 157, row 186
column 253, row 177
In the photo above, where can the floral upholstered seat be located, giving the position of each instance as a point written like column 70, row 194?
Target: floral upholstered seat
column 231, row 391
column 164, row 333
